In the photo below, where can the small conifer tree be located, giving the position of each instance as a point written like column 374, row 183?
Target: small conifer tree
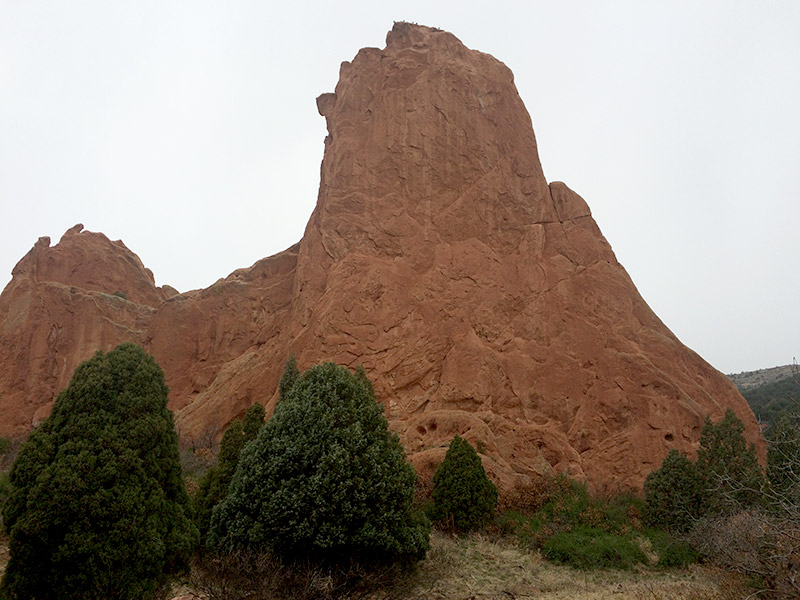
column 251, row 424
column 731, row 475
column 229, row 449
column 463, row 496
column 97, row 507
column 673, row 494
column 325, row 480
column 290, row 375
column 213, row 486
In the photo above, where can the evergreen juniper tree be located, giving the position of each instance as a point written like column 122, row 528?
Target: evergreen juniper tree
column 251, row 424
column 324, row 480
column 290, row 375
column 97, row 507
column 462, row 493
column 673, row 494
column 732, row 477
column 213, row 486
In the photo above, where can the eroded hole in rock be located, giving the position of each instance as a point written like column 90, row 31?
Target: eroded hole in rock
column 669, row 437
column 421, row 430
column 432, row 426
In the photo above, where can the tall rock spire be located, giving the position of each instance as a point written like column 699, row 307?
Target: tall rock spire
column 482, row 300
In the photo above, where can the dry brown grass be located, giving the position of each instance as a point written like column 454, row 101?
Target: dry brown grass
column 479, row 568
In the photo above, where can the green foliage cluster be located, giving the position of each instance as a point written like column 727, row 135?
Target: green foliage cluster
column 728, row 468
column 587, row 546
column 213, row 487
column 567, row 505
column 773, row 400
column 290, row 375
column 673, row 494
column 725, row 478
column 672, row 551
column 571, row 506
column 572, row 527
column 783, row 459
column 5, row 445
column 325, row 480
column 97, row 507
column 726, row 485
column 593, row 548
column 463, row 496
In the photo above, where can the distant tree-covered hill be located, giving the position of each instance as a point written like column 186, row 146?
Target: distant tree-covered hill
column 747, row 380
column 770, row 400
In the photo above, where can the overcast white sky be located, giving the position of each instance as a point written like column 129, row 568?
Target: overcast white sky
column 189, row 130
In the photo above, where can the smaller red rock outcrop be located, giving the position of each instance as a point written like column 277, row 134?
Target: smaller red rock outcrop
column 63, row 304
column 93, row 263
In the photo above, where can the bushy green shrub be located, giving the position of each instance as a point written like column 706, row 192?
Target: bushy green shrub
column 725, row 479
column 783, row 460
column 622, row 512
column 566, row 505
column 572, row 527
column 213, row 487
column 325, row 479
column 463, row 496
column 97, row 507
column 592, row 548
column 569, row 506
column 731, row 475
column 673, row 494
column 672, row 551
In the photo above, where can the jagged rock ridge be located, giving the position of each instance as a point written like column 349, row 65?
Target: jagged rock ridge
column 481, row 300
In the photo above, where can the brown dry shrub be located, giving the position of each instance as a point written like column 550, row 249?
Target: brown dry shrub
column 593, row 516
column 423, row 492
column 528, row 498
column 755, row 544
column 240, row 575
column 635, row 517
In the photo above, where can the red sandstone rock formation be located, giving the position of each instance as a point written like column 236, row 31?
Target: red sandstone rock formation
column 62, row 305
column 481, row 300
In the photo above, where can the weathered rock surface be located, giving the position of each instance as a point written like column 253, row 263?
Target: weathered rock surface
column 481, row 300
column 63, row 304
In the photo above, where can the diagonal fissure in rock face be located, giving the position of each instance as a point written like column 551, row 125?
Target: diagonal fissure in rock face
column 481, row 300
